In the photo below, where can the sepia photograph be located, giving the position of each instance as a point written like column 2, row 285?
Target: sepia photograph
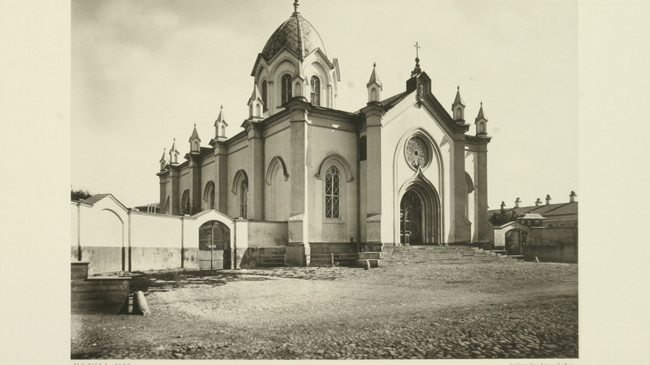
column 262, row 180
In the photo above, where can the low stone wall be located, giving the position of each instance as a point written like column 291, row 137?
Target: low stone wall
column 97, row 294
column 320, row 252
column 552, row 244
column 563, row 253
column 104, row 259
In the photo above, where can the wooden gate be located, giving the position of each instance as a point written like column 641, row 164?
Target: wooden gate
column 214, row 246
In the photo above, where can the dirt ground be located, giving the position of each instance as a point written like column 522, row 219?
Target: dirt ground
column 487, row 310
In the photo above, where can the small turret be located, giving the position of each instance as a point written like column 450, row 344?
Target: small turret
column 503, row 206
column 572, row 197
column 163, row 162
column 173, row 154
column 220, row 126
column 374, row 86
column 458, row 108
column 538, row 202
column 481, row 123
column 517, row 202
column 255, row 104
column 548, row 199
column 195, row 141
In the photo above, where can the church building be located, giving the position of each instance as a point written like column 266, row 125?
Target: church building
column 402, row 170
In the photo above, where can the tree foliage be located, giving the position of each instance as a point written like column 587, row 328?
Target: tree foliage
column 79, row 194
column 502, row 217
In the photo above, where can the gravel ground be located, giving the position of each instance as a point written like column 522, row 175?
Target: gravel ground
column 490, row 310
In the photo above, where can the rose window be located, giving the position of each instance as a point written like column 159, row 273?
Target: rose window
column 416, row 153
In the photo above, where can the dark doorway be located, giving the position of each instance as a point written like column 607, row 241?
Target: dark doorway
column 515, row 241
column 214, row 246
column 411, row 223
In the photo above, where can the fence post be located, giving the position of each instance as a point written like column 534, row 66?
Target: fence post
column 332, row 259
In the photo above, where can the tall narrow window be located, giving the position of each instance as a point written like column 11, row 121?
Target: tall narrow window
column 185, row 203
column 363, row 147
column 332, row 196
column 264, row 95
column 315, row 90
column 244, row 198
column 286, row 88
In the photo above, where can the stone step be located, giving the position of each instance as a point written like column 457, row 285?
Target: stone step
column 369, row 255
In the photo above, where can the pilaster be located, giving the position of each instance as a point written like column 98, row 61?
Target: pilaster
column 299, row 217
column 483, row 231
column 256, row 176
column 195, row 173
column 373, row 186
column 460, row 225
column 221, row 177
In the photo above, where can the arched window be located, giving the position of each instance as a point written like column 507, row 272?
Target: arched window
column 244, row 198
column 264, row 95
column 363, row 147
column 208, row 196
column 286, row 88
column 185, row 205
column 315, row 90
column 332, row 196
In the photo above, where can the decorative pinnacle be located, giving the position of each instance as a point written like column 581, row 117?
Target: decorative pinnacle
column 295, row 6
column 417, row 70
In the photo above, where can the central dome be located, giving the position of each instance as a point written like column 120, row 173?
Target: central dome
column 297, row 35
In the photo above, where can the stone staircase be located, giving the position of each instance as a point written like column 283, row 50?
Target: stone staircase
column 403, row 255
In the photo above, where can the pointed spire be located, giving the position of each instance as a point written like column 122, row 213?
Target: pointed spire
column 459, row 99
column 374, row 77
column 481, row 114
column 195, row 134
column 220, row 119
column 256, row 95
column 162, row 159
column 481, row 121
column 173, row 153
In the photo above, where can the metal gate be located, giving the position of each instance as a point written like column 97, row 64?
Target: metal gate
column 214, row 246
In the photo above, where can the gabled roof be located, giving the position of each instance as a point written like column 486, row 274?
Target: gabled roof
column 95, row 198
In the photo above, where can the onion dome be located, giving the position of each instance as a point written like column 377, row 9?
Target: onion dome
column 297, row 35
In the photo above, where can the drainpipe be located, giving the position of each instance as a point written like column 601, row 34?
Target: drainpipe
column 182, row 242
column 129, row 242
column 79, row 231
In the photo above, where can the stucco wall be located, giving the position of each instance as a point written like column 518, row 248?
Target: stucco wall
column 277, row 193
column 208, row 174
column 151, row 241
column 267, row 234
column 399, row 124
column 344, row 144
column 237, row 160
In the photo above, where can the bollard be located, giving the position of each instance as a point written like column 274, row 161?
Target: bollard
column 366, row 264
column 140, row 305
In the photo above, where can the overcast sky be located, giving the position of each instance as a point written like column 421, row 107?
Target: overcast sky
column 143, row 72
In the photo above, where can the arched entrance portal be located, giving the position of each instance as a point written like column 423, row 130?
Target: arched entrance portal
column 214, row 246
column 515, row 241
column 420, row 215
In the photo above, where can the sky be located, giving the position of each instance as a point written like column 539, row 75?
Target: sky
column 144, row 72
